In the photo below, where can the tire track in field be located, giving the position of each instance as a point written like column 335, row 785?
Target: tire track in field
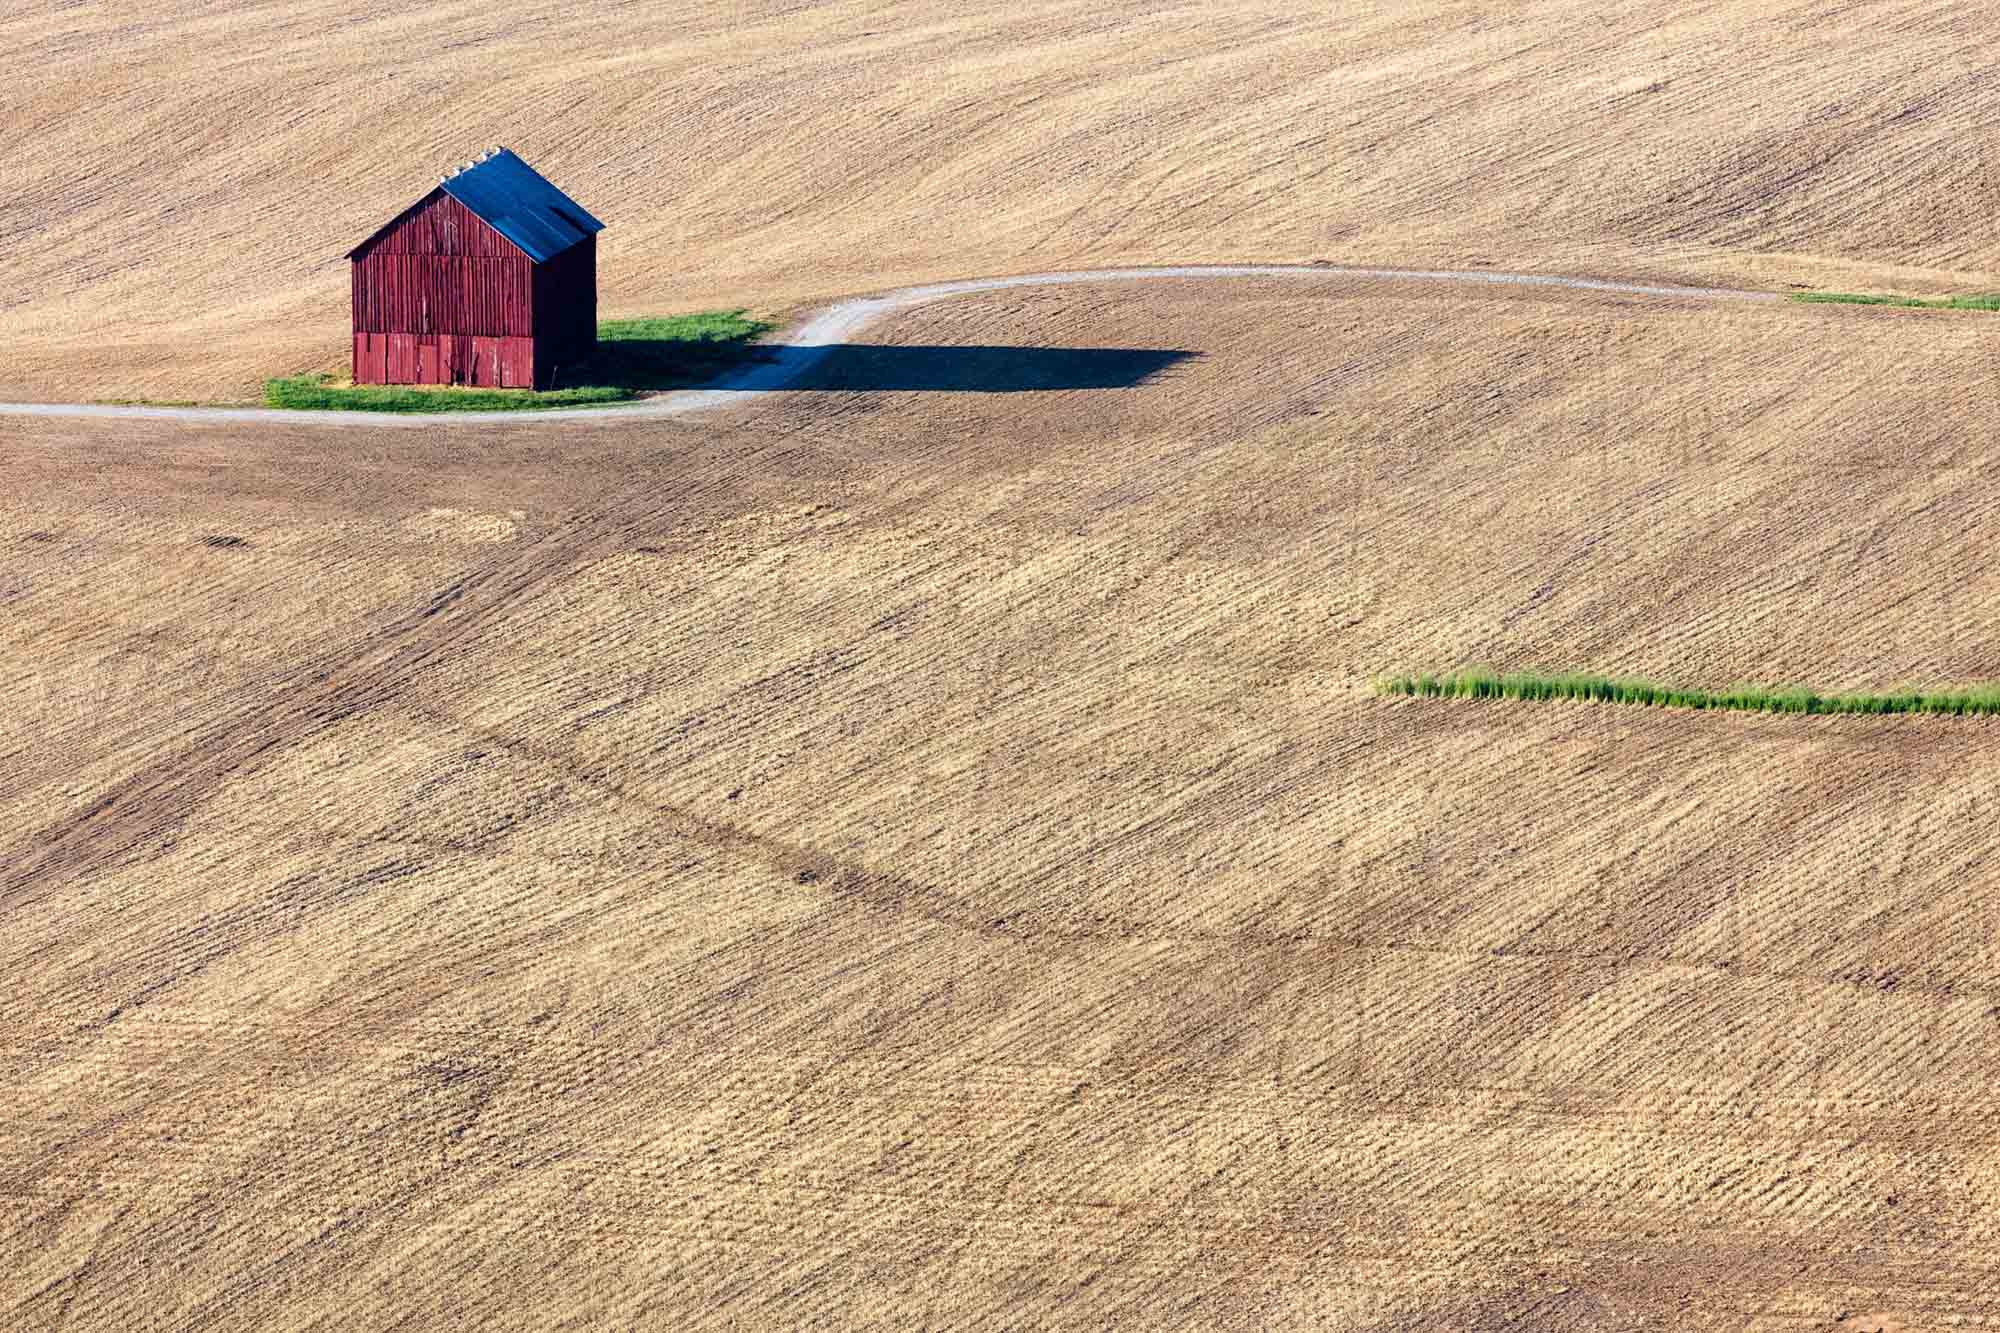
column 818, row 871
column 293, row 704
column 305, row 699
column 810, row 342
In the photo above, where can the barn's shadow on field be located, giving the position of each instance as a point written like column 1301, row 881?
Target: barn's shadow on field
column 864, row 368
column 848, row 367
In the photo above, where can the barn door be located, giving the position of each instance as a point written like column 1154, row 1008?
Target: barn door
column 485, row 362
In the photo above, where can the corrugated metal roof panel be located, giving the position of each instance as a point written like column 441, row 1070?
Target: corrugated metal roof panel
column 519, row 203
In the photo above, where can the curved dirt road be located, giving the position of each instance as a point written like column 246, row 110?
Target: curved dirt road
column 808, row 343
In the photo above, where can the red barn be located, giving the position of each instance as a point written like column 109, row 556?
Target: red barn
column 491, row 279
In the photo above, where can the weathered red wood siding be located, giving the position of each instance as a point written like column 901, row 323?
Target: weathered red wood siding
column 436, row 281
column 440, row 297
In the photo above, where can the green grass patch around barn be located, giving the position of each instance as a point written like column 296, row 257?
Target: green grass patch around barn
column 1982, row 301
column 1525, row 685
column 633, row 357
column 709, row 328
column 647, row 355
column 322, row 393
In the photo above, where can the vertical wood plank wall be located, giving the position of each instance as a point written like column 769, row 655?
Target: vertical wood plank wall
column 440, row 297
column 564, row 301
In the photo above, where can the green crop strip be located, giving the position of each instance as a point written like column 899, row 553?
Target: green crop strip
column 1984, row 301
column 1477, row 684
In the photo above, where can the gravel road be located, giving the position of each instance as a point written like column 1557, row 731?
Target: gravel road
column 807, row 343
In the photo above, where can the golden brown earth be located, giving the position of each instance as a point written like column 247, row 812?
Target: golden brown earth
column 924, row 856
column 181, row 182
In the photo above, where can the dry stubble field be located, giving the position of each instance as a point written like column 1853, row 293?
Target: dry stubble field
column 181, row 182
column 930, row 856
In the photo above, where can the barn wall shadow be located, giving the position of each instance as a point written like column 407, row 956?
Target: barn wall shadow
column 862, row 367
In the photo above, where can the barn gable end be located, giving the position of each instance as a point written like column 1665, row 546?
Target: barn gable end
column 441, row 295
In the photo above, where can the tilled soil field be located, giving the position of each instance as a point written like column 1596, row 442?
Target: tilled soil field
column 920, row 850
column 181, row 182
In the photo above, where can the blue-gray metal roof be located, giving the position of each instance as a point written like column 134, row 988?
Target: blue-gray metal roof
column 519, row 203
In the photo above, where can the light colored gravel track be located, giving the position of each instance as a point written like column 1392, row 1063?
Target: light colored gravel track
column 806, row 344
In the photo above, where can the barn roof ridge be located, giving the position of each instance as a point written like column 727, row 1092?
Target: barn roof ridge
column 518, row 202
